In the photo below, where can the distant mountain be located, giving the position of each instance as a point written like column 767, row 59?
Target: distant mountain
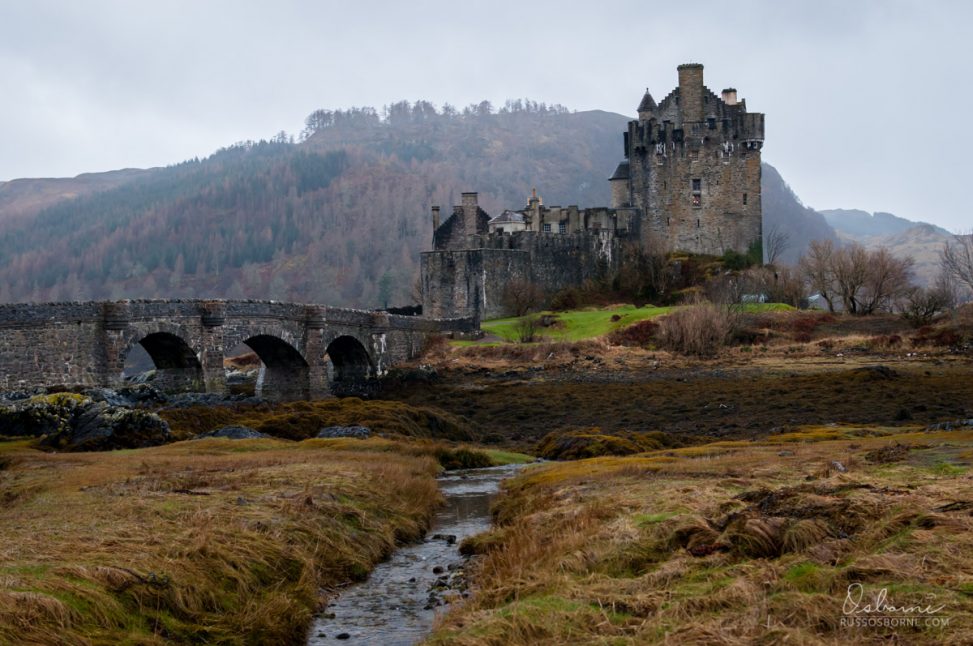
column 861, row 224
column 339, row 217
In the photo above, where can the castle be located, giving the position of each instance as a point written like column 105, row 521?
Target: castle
column 690, row 181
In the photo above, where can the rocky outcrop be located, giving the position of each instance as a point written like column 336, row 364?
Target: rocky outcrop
column 71, row 422
column 233, row 433
column 357, row 432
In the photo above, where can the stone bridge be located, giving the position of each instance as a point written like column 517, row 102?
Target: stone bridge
column 303, row 347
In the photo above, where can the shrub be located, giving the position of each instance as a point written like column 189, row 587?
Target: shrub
column 568, row 298
column 451, row 459
column 527, row 328
column 521, row 296
column 921, row 306
column 639, row 334
column 701, row 329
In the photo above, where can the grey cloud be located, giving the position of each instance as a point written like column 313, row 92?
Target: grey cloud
column 865, row 100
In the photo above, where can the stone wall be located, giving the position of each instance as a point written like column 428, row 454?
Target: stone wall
column 474, row 282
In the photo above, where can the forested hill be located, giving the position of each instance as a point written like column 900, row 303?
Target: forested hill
column 337, row 218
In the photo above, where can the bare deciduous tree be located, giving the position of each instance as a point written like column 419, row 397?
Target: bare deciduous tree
column 776, row 242
column 956, row 259
column 521, row 296
column 817, row 267
column 864, row 281
column 923, row 304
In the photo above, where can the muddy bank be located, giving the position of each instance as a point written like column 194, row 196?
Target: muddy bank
column 703, row 402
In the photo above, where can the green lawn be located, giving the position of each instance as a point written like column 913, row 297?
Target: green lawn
column 577, row 325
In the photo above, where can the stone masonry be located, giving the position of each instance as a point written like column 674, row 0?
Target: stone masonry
column 302, row 347
column 690, row 182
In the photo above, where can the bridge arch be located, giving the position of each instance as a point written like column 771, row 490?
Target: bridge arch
column 285, row 373
column 177, row 364
column 350, row 360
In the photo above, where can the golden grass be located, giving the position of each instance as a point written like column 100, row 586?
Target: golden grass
column 211, row 541
column 730, row 543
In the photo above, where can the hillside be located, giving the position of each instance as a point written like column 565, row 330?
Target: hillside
column 784, row 210
column 861, row 224
column 26, row 197
column 338, row 217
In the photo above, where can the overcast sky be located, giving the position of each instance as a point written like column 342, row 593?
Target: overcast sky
column 866, row 101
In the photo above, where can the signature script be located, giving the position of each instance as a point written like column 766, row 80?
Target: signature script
column 856, row 604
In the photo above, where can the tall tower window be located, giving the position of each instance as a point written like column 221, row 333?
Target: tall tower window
column 697, row 192
column 744, row 199
column 562, row 227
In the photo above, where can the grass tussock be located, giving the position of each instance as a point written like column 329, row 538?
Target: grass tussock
column 736, row 542
column 577, row 444
column 303, row 419
column 215, row 541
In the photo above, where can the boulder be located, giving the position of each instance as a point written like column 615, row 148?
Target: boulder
column 72, row 422
column 357, row 432
column 101, row 427
column 233, row 433
column 40, row 415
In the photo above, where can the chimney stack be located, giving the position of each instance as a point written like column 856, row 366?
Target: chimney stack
column 730, row 96
column 435, row 218
column 470, row 209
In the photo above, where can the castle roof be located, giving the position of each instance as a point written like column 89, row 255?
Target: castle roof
column 648, row 103
column 507, row 217
column 621, row 172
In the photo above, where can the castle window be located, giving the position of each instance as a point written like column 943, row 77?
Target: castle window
column 547, row 227
column 697, row 184
column 697, row 193
column 744, row 199
column 562, row 227
column 697, row 223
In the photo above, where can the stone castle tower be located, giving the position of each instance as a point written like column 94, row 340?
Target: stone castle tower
column 690, row 182
column 693, row 169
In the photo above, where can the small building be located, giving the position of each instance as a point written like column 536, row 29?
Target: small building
column 507, row 222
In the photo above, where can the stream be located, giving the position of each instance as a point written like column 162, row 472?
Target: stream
column 396, row 605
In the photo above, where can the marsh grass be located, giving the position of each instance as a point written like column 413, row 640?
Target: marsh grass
column 303, row 419
column 731, row 543
column 211, row 541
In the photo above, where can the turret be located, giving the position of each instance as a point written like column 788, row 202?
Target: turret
column 691, row 92
column 730, row 96
column 619, row 186
column 646, row 107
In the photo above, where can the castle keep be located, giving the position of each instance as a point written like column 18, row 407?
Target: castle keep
column 690, row 181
